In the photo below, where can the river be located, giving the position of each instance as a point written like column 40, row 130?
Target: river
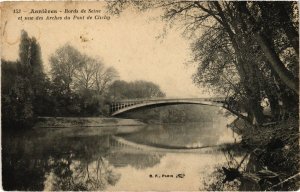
column 150, row 157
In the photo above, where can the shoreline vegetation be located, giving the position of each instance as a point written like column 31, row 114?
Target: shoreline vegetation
column 272, row 153
column 78, row 85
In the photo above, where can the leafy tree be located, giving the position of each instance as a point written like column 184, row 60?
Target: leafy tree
column 80, row 82
column 134, row 90
column 144, row 89
column 228, row 36
column 23, row 85
column 17, row 96
column 63, row 63
column 266, row 44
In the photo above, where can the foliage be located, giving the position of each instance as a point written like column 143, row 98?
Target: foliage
column 63, row 63
column 80, row 82
column 79, row 85
column 134, row 90
column 23, row 83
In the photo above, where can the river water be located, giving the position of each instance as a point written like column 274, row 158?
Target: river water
column 150, row 157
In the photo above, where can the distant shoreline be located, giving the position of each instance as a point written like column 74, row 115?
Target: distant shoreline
column 68, row 122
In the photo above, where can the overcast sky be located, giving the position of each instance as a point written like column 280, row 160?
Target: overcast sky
column 129, row 43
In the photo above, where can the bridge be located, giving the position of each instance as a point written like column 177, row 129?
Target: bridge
column 122, row 106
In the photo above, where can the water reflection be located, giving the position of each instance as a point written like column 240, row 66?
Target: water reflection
column 69, row 163
column 225, row 176
column 92, row 159
column 73, row 175
column 135, row 160
column 191, row 135
column 65, row 163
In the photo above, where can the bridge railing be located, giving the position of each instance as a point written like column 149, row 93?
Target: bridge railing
column 120, row 105
column 169, row 99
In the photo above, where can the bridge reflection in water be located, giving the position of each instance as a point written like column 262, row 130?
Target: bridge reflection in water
column 53, row 157
column 198, row 137
column 122, row 106
column 119, row 144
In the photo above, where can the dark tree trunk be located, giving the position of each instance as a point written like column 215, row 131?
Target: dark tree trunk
column 276, row 64
column 246, row 72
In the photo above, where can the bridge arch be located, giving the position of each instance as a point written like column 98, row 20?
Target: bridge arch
column 124, row 106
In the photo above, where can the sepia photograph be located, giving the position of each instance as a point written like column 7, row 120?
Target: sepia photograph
column 139, row 95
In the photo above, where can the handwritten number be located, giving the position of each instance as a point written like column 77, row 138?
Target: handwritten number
column 17, row 11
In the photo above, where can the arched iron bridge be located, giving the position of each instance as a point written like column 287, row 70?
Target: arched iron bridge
column 122, row 106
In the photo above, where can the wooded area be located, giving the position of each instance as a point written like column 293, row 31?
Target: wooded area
column 78, row 85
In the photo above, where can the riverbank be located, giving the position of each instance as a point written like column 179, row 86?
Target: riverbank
column 273, row 155
column 70, row 122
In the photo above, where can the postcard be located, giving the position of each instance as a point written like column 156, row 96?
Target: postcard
column 150, row 95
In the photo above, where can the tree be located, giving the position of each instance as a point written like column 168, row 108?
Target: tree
column 228, row 35
column 25, row 53
column 144, row 89
column 81, row 82
column 17, row 96
column 64, row 62
column 134, row 90
column 84, row 75
column 274, row 59
column 104, row 78
column 23, row 83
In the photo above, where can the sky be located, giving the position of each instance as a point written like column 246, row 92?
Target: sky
column 129, row 42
